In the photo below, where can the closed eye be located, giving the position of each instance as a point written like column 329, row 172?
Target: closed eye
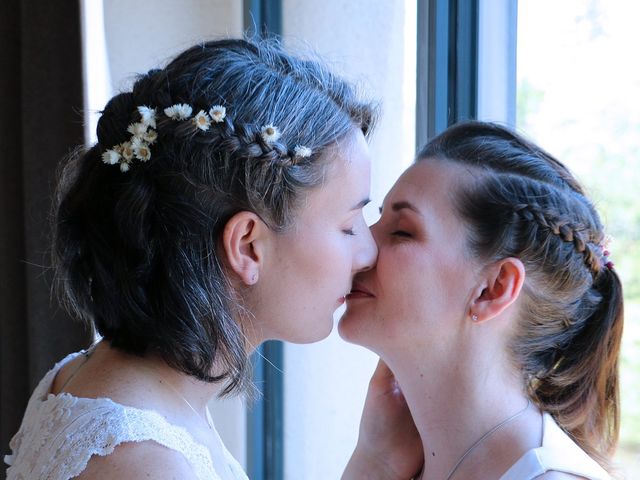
column 401, row 233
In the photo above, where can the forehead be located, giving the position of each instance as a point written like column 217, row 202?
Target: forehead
column 431, row 180
column 347, row 179
column 351, row 148
column 349, row 163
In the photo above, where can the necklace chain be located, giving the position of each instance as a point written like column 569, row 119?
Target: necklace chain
column 206, row 418
column 87, row 355
column 177, row 392
column 484, row 437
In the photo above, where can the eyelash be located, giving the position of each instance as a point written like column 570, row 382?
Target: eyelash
column 397, row 233
column 349, row 231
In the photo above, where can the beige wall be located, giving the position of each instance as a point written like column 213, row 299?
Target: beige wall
column 143, row 34
column 374, row 44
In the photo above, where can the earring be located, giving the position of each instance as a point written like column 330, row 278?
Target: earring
column 474, row 317
column 254, row 278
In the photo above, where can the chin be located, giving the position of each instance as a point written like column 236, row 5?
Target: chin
column 311, row 335
column 350, row 329
column 361, row 326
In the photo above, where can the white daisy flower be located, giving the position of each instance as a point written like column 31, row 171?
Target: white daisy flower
column 179, row 111
column 124, row 166
column 136, row 142
column 270, row 134
column 142, row 151
column 150, row 136
column 111, row 157
column 302, row 151
column 137, row 129
column 126, row 151
column 202, row 120
column 148, row 115
column 217, row 113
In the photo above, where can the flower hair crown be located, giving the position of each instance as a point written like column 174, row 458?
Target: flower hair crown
column 144, row 134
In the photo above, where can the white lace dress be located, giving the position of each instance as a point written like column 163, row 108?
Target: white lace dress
column 60, row 433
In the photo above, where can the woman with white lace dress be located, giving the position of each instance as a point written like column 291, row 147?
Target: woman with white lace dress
column 495, row 304
column 220, row 207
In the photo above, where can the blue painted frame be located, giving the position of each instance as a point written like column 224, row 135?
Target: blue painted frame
column 447, row 65
column 265, row 416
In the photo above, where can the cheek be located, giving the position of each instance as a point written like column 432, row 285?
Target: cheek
column 454, row 282
column 392, row 316
column 333, row 260
column 418, row 285
column 327, row 264
column 402, row 274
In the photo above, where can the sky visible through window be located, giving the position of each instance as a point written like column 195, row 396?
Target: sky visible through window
column 579, row 97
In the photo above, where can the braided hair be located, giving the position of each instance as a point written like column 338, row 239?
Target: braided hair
column 136, row 252
column 524, row 203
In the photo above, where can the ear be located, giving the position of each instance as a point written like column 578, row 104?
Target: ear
column 501, row 287
column 243, row 241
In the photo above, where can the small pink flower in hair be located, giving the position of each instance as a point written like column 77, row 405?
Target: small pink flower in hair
column 179, row 111
column 111, row 157
column 605, row 252
column 148, row 115
column 217, row 113
column 302, row 151
column 202, row 121
column 270, row 134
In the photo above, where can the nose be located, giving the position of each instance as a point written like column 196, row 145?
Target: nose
column 367, row 254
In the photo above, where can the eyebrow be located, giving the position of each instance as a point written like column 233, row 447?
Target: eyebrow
column 361, row 204
column 401, row 205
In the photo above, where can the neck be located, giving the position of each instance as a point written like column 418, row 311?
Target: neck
column 183, row 387
column 455, row 401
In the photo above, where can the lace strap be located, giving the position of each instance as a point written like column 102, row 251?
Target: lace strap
column 39, row 394
column 97, row 426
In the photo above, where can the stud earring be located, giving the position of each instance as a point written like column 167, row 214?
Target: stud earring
column 474, row 317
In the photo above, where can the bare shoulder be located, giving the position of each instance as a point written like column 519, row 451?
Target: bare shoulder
column 132, row 460
column 559, row 476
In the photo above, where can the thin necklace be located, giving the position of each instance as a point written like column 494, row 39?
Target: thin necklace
column 485, row 436
column 205, row 418
column 86, row 354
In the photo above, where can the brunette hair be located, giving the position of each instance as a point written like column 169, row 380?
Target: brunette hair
column 136, row 252
column 524, row 203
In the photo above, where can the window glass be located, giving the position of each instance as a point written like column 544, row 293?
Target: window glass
column 578, row 95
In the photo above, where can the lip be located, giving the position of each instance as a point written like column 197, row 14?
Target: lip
column 359, row 291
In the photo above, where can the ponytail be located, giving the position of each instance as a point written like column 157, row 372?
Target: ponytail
column 580, row 388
